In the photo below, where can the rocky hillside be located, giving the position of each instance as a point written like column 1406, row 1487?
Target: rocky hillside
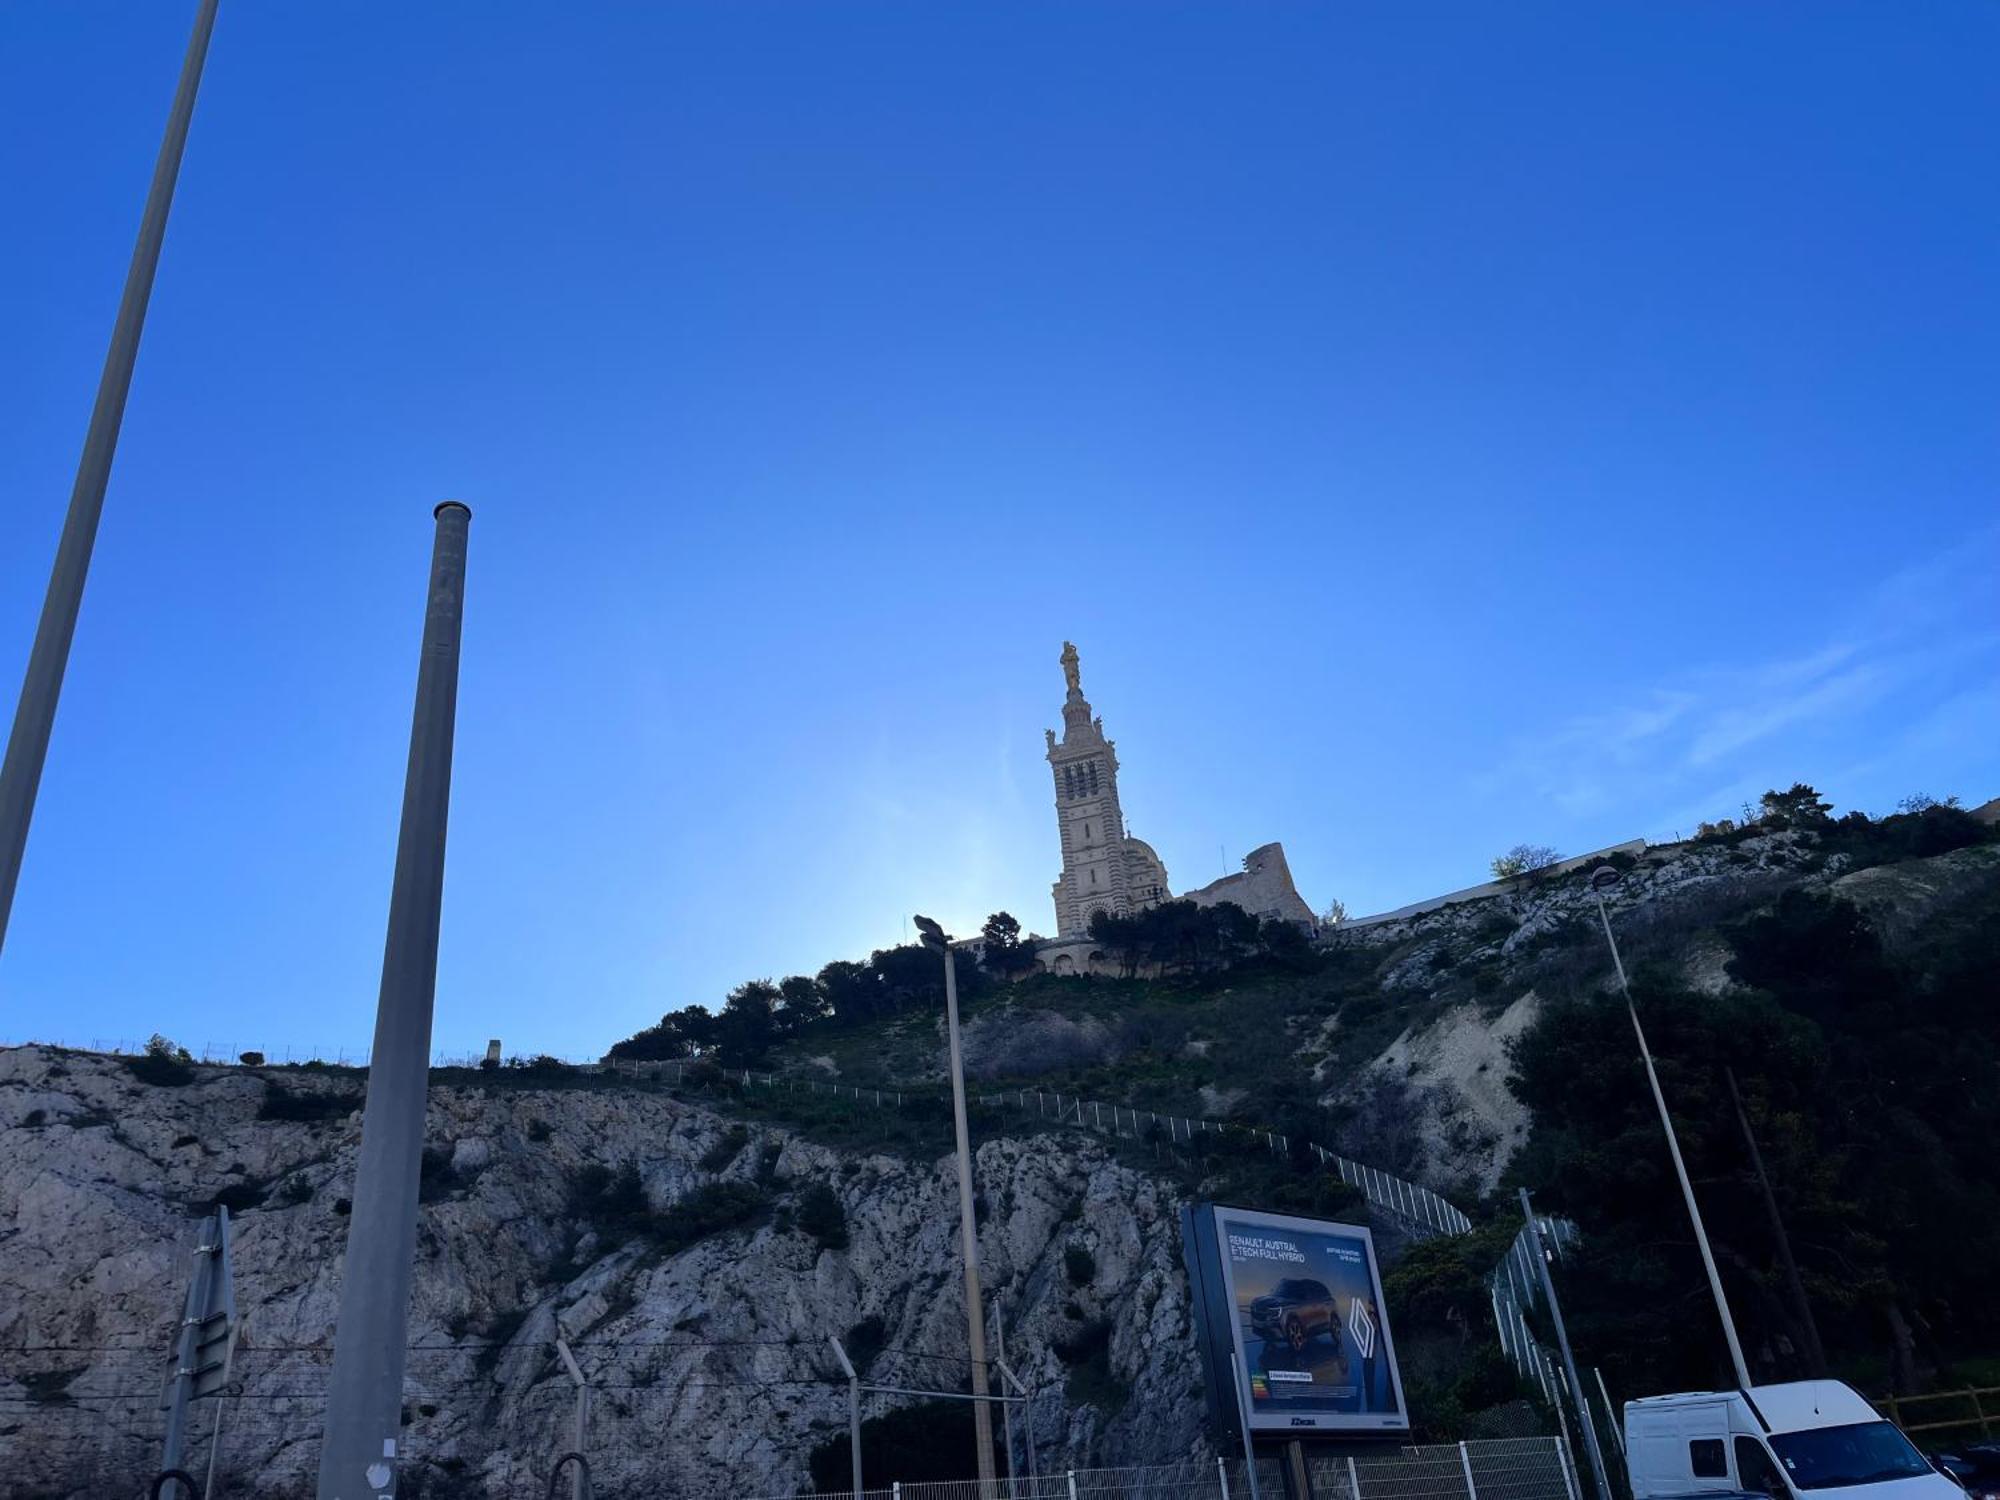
column 698, row 1253
column 700, row 1306
column 1471, row 978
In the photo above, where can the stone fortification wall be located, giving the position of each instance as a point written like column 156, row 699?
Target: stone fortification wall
column 1264, row 888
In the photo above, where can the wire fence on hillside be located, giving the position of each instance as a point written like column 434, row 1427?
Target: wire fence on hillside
column 1422, row 1212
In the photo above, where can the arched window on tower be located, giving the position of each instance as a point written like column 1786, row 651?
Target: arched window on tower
column 1093, row 778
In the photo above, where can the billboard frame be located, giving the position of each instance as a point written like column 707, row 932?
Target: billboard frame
column 1220, row 1337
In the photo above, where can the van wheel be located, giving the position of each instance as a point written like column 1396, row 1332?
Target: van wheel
column 1295, row 1335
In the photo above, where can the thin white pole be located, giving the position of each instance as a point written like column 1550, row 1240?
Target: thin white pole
column 365, row 1389
column 968, row 1234
column 48, row 658
column 1680, row 1167
column 1610, row 1411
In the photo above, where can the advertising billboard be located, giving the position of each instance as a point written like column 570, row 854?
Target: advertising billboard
column 1292, row 1327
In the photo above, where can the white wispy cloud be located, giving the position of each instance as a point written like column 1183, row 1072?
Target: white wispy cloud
column 1904, row 676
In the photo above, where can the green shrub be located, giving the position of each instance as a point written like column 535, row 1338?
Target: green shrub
column 251, row 1059
column 237, row 1197
column 928, row 1442
column 711, row 1209
column 539, row 1131
column 50, row 1387
column 724, row 1151
column 281, row 1103
column 162, row 1064
column 613, row 1202
column 1079, row 1265
column 296, row 1190
column 864, row 1341
column 1092, row 1382
column 819, row 1214
column 437, row 1178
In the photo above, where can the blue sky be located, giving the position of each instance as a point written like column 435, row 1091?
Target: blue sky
column 1439, row 426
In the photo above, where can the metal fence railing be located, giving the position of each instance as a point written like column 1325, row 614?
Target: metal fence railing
column 1422, row 1212
column 1500, row 1469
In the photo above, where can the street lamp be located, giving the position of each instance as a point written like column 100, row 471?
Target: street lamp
column 1601, row 880
column 968, row 1234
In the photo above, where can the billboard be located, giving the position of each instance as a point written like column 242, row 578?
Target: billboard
column 1293, row 1334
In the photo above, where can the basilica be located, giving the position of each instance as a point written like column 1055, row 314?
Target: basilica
column 1104, row 868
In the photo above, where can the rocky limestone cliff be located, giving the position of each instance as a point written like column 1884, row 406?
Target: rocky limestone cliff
column 711, row 1364
column 1452, row 1060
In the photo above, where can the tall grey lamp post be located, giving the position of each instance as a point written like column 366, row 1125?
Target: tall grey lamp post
column 364, row 1399
column 968, row 1232
column 48, row 658
column 1601, row 880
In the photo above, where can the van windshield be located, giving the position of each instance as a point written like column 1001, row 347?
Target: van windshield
column 1865, row 1453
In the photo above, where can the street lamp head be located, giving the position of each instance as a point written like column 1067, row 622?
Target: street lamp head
column 932, row 935
column 1604, row 877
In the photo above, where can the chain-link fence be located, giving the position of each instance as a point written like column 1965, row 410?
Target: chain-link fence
column 1504, row 1469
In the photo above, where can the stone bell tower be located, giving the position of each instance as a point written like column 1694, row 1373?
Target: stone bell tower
column 1102, row 868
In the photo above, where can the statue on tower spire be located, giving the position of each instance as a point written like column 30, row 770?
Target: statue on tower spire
column 1071, row 669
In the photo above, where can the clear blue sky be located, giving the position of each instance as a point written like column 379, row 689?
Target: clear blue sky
column 1439, row 426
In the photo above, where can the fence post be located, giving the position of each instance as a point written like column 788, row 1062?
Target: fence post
column 1070, row 1474
column 1562, row 1462
column 1465, row 1463
column 1353, row 1481
column 1222, row 1478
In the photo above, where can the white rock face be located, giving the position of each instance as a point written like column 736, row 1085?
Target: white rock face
column 1454, row 1064
column 1458, row 1066
column 711, row 1365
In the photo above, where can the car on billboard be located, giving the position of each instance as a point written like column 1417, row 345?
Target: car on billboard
column 1290, row 1324
column 1296, row 1311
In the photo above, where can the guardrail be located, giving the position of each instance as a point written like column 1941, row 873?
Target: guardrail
column 1984, row 1412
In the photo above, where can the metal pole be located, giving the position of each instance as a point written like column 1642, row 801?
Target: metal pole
column 1027, row 1415
column 1569, row 1360
column 1815, row 1351
column 968, row 1235
column 853, row 1413
column 221, row 1404
column 48, row 658
column 188, row 1339
column 579, row 1481
column 1674, row 1150
column 1610, row 1411
column 1249, row 1450
column 1006, row 1411
column 365, row 1392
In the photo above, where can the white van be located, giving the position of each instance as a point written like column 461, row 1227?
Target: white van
column 1789, row 1442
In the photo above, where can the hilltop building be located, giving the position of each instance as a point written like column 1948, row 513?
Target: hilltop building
column 1104, row 868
